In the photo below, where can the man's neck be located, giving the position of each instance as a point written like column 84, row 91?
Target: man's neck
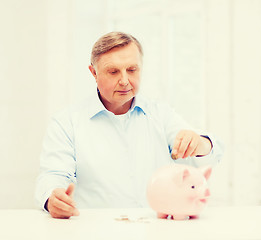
column 117, row 109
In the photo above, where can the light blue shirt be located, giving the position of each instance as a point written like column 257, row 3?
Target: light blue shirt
column 110, row 157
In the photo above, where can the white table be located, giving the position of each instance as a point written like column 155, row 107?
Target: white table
column 214, row 223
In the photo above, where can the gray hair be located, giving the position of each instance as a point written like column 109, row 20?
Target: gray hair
column 110, row 41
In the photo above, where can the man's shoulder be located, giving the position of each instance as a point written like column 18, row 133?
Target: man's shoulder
column 153, row 105
column 76, row 109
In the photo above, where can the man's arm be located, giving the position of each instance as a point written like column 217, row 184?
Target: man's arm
column 183, row 140
column 57, row 167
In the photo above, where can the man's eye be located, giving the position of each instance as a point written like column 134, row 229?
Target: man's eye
column 113, row 72
column 132, row 70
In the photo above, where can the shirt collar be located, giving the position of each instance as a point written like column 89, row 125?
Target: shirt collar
column 138, row 104
column 96, row 107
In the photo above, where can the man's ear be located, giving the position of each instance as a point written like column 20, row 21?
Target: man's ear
column 93, row 71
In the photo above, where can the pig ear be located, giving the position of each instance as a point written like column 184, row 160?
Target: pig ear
column 181, row 176
column 186, row 174
column 206, row 172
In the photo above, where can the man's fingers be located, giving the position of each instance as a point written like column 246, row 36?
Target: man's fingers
column 66, row 195
column 184, row 146
column 189, row 144
column 190, row 151
column 70, row 189
column 59, row 213
column 62, row 196
column 176, row 145
column 194, row 153
column 60, row 209
column 68, row 212
column 62, row 205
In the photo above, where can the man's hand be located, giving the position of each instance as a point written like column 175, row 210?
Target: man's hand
column 60, row 204
column 190, row 144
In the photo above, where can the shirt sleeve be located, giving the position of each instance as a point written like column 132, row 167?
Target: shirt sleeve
column 174, row 123
column 57, row 161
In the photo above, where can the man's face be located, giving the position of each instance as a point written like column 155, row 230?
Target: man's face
column 117, row 74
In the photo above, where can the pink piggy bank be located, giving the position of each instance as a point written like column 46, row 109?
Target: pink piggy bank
column 178, row 190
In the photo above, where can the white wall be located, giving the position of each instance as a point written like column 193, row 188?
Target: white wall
column 23, row 95
column 233, row 74
column 44, row 55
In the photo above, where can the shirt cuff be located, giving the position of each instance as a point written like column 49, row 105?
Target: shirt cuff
column 215, row 154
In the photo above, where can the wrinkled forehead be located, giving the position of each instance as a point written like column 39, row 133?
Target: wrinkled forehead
column 128, row 55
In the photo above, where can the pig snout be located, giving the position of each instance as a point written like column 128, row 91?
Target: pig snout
column 206, row 196
column 207, row 193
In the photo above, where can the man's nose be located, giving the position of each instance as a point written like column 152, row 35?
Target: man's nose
column 124, row 80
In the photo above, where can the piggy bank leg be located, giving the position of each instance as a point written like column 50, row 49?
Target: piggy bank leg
column 180, row 217
column 162, row 215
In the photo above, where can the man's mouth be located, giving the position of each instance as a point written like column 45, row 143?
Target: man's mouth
column 124, row 91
